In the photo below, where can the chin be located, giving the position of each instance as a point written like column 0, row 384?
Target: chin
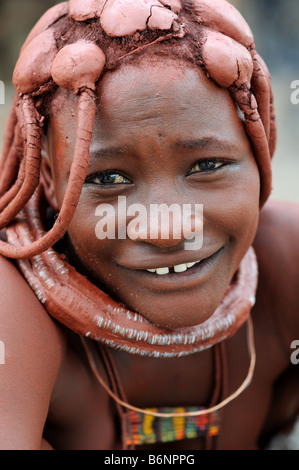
column 181, row 311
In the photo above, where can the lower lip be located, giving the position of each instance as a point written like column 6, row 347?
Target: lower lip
column 192, row 277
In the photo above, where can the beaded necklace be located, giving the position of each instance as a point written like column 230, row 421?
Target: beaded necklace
column 153, row 425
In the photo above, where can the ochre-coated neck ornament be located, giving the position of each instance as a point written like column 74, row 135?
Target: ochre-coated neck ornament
column 226, row 53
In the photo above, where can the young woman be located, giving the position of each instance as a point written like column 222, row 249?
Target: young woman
column 116, row 337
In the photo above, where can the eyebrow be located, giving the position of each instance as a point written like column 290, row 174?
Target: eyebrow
column 193, row 144
column 207, row 143
column 108, row 152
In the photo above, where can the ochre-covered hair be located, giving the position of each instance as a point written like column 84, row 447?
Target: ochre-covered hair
column 71, row 47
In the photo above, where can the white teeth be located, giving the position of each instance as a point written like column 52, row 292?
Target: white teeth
column 189, row 265
column 162, row 271
column 179, row 268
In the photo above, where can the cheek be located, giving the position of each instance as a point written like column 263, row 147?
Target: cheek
column 95, row 250
column 82, row 229
column 248, row 195
column 245, row 207
column 235, row 210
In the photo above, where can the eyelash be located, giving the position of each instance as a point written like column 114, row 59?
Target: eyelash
column 103, row 174
column 216, row 161
column 92, row 179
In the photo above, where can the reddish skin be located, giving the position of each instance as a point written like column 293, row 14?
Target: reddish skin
column 162, row 180
column 45, row 364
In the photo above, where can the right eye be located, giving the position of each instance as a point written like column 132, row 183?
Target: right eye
column 107, row 178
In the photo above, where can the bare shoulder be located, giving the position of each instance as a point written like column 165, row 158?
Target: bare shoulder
column 277, row 250
column 277, row 238
column 21, row 312
column 32, row 352
column 275, row 213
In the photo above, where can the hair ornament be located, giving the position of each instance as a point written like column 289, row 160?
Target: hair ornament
column 219, row 49
column 78, row 65
column 135, row 16
column 33, row 68
column 223, row 17
column 83, row 10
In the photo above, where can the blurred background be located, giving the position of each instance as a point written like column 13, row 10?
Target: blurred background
column 275, row 26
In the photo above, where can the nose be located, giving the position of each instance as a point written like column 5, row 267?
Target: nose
column 166, row 226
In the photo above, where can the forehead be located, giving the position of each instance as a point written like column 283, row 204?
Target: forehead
column 169, row 84
column 171, row 95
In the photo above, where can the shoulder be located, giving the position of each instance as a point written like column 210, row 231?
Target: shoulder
column 277, row 250
column 277, row 237
column 32, row 352
column 280, row 217
column 20, row 310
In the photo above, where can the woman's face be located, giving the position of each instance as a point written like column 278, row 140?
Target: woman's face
column 163, row 134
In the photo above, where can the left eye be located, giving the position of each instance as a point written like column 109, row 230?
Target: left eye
column 108, row 178
column 206, row 165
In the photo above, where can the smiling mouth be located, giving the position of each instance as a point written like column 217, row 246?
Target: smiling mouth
column 176, row 277
column 179, row 268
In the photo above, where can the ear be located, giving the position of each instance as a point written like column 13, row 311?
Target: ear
column 46, row 177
